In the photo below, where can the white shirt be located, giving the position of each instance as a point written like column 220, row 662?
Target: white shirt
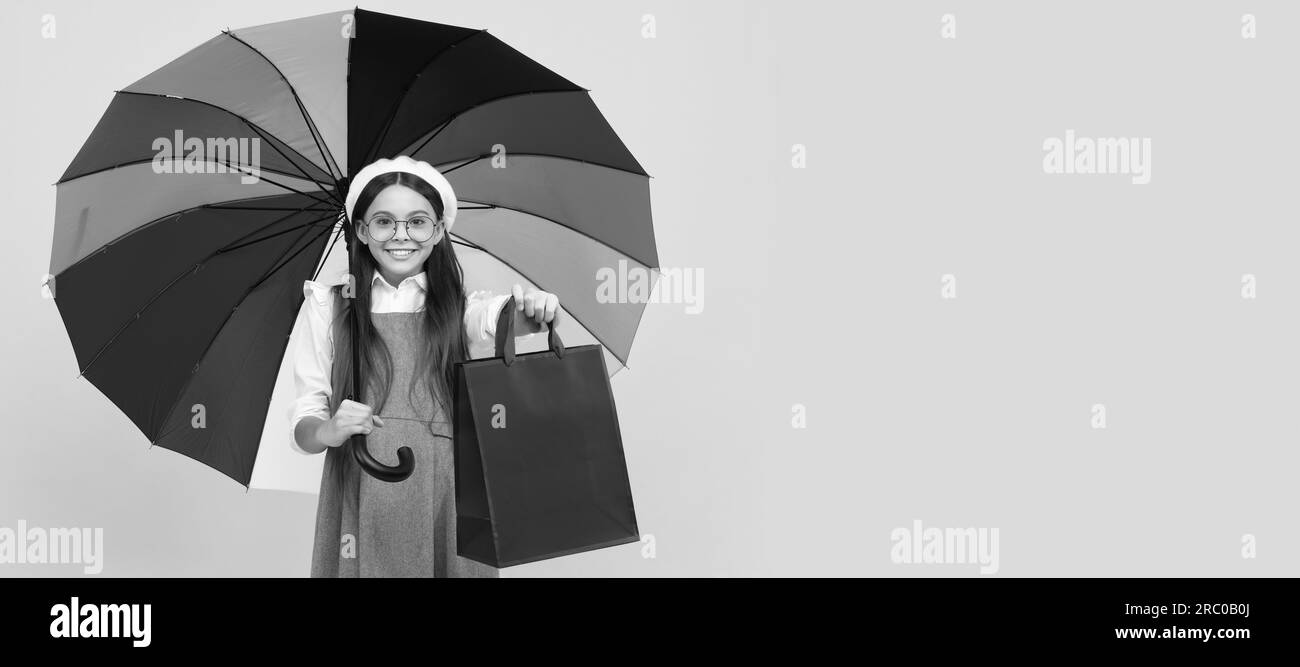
column 313, row 351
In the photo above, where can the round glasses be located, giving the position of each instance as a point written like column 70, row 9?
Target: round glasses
column 419, row 228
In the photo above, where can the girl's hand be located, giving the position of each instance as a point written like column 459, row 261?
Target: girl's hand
column 536, row 307
column 350, row 419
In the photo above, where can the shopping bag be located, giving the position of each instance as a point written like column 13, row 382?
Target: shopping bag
column 540, row 470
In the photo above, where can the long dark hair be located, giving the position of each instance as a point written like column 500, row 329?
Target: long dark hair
column 444, row 341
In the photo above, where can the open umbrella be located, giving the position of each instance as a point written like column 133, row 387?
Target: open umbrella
column 213, row 187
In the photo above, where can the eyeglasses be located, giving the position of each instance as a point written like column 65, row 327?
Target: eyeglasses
column 419, row 228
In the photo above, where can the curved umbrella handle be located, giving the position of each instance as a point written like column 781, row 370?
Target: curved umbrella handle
column 375, row 468
column 372, row 466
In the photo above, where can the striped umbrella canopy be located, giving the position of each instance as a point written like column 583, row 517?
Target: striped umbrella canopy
column 213, row 187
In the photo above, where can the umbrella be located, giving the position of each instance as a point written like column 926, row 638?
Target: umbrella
column 213, row 187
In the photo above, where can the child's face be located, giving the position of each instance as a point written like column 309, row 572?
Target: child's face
column 400, row 256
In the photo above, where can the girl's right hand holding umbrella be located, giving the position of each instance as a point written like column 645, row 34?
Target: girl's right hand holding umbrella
column 350, row 419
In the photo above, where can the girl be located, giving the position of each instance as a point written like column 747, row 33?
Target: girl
column 420, row 323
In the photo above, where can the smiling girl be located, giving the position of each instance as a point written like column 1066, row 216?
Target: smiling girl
column 420, row 325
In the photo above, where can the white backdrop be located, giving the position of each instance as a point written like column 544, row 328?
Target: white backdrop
column 823, row 292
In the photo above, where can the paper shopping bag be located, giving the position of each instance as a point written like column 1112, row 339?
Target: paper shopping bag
column 540, row 470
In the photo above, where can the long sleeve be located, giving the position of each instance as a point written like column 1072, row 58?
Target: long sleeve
column 312, row 350
column 481, row 311
column 312, row 344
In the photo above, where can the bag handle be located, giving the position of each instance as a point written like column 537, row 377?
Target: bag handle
column 506, row 334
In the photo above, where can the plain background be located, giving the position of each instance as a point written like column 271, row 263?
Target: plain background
column 821, row 287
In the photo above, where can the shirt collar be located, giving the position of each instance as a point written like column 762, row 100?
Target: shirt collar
column 419, row 280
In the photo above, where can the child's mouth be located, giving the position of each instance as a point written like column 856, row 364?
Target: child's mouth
column 404, row 253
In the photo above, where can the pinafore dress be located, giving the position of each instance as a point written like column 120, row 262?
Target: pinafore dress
column 369, row 528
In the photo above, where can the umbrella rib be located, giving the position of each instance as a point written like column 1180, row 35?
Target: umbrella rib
column 311, row 127
column 316, row 133
column 206, row 348
column 579, row 232
column 295, row 190
column 552, row 156
column 260, row 177
column 173, row 214
column 227, row 248
column 462, row 112
column 222, row 207
column 467, row 162
column 326, row 192
column 458, row 239
column 321, row 264
column 188, row 272
column 251, row 125
column 397, row 106
column 235, row 168
column 290, row 258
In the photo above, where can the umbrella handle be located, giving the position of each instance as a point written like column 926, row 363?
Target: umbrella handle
column 405, row 457
column 375, row 468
